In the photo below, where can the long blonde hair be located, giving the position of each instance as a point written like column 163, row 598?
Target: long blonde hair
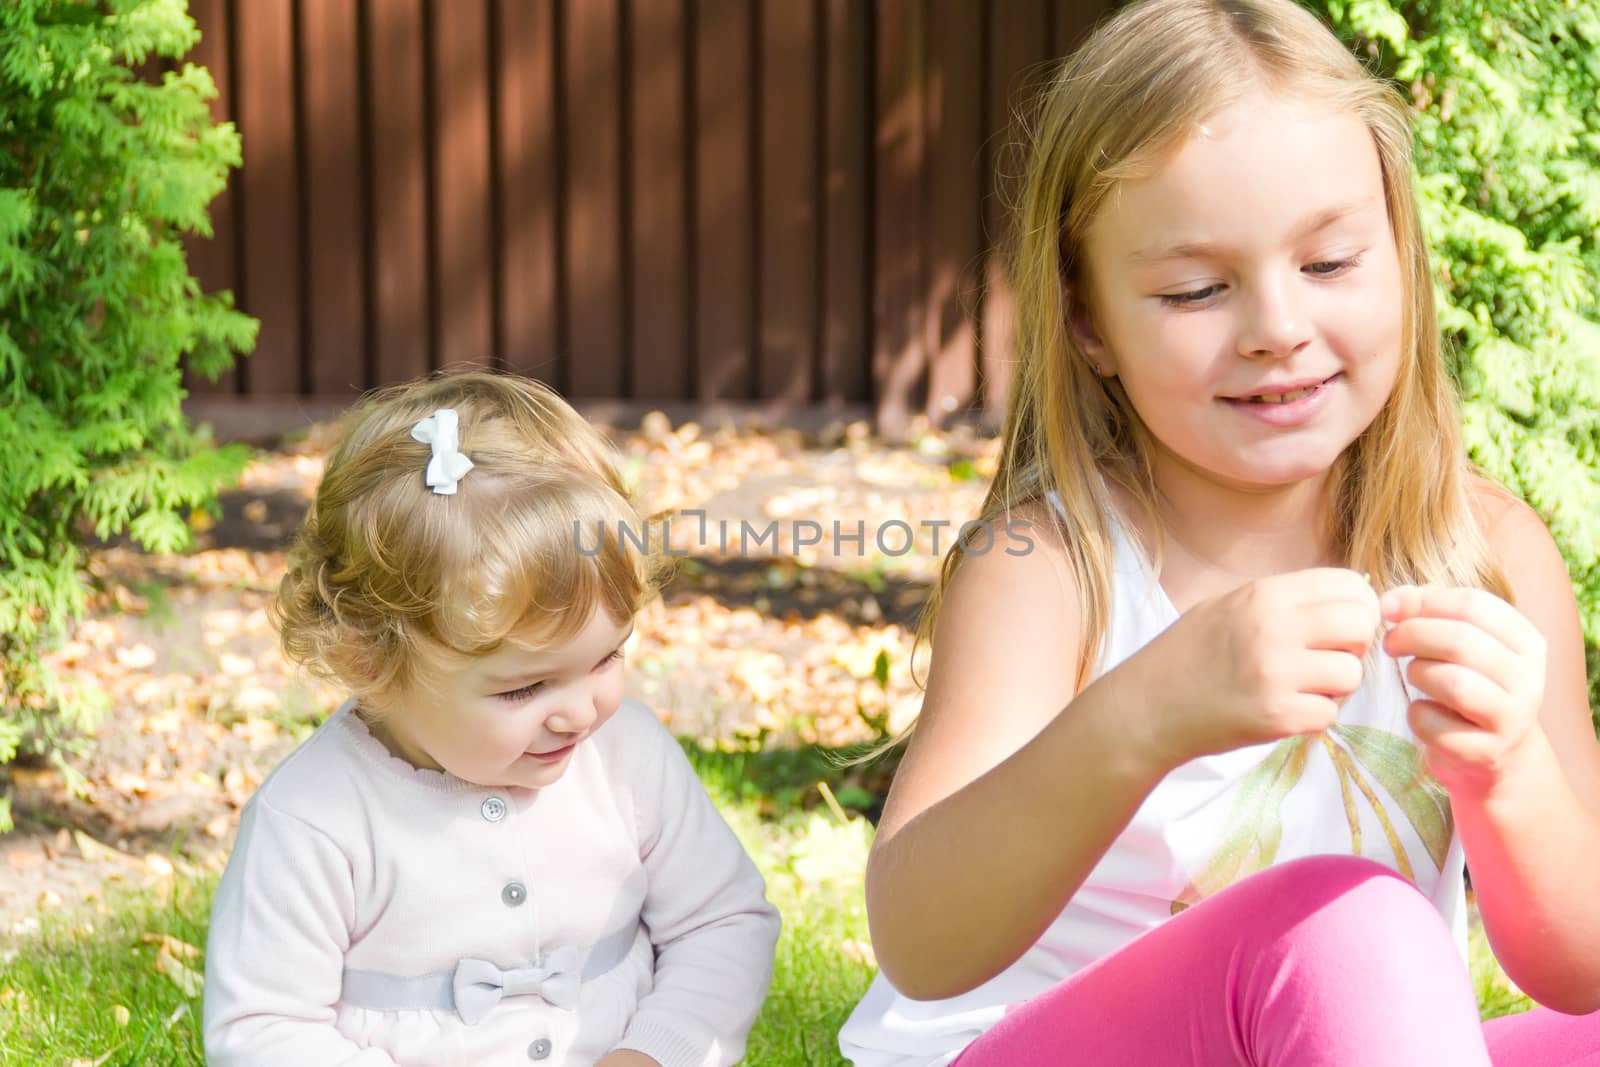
column 1141, row 83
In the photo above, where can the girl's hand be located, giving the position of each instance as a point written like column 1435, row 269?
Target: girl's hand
column 626, row 1057
column 1483, row 664
column 1274, row 657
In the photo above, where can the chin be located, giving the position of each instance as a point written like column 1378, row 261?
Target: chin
column 538, row 777
column 1280, row 470
column 1282, row 477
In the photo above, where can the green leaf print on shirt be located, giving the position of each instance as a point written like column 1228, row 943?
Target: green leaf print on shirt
column 1254, row 825
column 1256, row 821
column 1396, row 762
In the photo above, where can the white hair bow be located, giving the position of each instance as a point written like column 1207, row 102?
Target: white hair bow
column 448, row 465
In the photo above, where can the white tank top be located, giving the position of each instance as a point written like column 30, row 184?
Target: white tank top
column 1357, row 789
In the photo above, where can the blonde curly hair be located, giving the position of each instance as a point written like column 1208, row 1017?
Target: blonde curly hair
column 388, row 580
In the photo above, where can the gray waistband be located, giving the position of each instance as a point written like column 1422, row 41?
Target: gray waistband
column 436, row 992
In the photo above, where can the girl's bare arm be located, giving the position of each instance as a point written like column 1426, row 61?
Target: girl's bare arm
column 1533, row 837
column 1007, row 796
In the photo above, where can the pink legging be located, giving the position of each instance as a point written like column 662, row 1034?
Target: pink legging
column 1329, row 960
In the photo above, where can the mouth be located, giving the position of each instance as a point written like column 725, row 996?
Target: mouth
column 554, row 754
column 1287, row 393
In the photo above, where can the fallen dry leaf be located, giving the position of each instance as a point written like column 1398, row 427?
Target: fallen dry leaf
column 136, row 657
column 858, row 951
column 94, row 1063
column 57, row 845
column 68, row 654
column 25, row 859
column 236, row 785
column 163, row 722
column 95, row 852
column 31, row 779
column 172, row 946
column 189, row 981
column 259, row 732
column 126, row 782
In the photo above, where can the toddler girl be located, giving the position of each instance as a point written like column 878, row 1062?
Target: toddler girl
column 487, row 856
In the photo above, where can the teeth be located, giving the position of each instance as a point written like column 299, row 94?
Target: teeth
column 1283, row 398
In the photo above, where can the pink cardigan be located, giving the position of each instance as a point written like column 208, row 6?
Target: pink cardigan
column 349, row 859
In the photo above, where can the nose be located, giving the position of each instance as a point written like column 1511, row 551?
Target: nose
column 575, row 715
column 1276, row 321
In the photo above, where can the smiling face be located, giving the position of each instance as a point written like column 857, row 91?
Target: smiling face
column 1258, row 259
column 514, row 717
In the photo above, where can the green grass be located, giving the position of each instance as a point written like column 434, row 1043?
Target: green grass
column 1496, row 995
column 60, row 987
column 58, row 995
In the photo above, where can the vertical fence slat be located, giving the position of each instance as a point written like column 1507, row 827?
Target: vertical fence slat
column 723, row 293
column 898, row 356
column 328, row 40
column 399, row 190
column 268, row 183
column 788, row 225
column 659, row 325
column 463, row 238
column 954, row 230
column 1073, row 20
column 846, row 322
column 527, row 184
column 1018, row 46
column 211, row 260
column 594, row 213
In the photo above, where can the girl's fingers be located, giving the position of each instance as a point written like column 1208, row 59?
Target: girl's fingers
column 1306, row 713
column 1461, row 690
column 1476, row 606
column 1328, row 673
column 1345, row 625
column 1318, row 584
column 1454, row 641
column 1444, row 732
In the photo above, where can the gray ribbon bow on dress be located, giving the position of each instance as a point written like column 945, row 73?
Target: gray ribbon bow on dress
column 473, row 987
column 478, row 985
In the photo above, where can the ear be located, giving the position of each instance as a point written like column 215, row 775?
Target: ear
column 1079, row 318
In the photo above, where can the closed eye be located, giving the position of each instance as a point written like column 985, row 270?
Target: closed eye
column 1327, row 268
column 1193, row 296
column 516, row 696
column 1332, row 268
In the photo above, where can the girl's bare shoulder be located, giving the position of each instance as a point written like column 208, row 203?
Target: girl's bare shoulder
column 1004, row 662
column 1515, row 533
column 1016, row 562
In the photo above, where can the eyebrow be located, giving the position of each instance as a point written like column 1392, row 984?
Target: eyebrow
column 1196, row 249
column 523, row 676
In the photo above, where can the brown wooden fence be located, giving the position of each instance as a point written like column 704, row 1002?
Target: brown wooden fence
column 784, row 201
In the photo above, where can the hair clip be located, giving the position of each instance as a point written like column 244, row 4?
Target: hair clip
column 447, row 465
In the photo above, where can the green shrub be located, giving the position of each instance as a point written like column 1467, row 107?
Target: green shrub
column 1507, row 106
column 100, row 174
